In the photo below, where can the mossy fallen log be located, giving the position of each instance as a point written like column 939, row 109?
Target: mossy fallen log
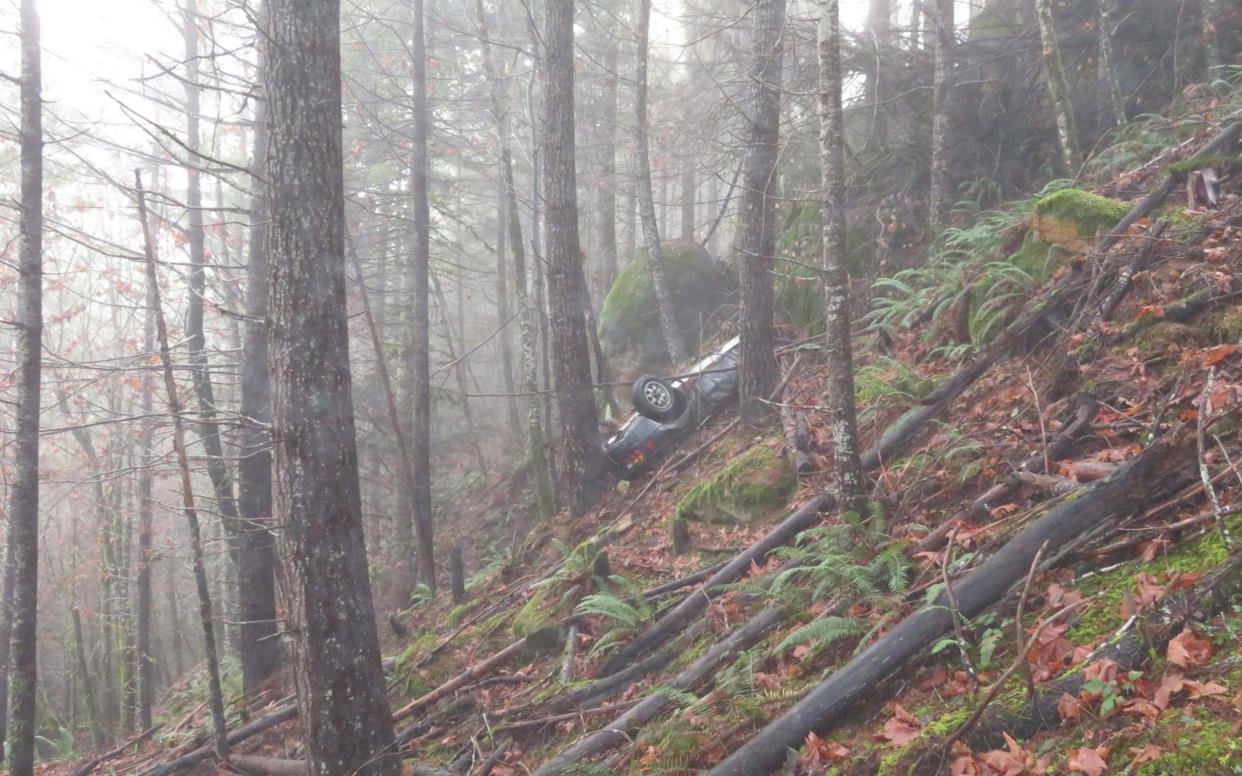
column 1166, row 465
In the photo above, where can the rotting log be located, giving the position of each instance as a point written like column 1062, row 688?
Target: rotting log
column 1159, row 470
column 621, row 730
column 1129, row 650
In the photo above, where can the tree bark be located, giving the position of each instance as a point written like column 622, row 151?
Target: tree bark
column 256, row 567
column 24, row 493
column 851, row 493
column 940, row 195
column 215, row 694
column 755, row 241
column 583, row 476
column 418, row 355
column 346, row 723
column 646, row 204
column 1058, row 90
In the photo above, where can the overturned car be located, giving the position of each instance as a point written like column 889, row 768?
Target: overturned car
column 667, row 410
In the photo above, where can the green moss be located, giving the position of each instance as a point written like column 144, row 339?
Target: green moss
column 629, row 321
column 1200, row 747
column 1104, row 616
column 535, row 615
column 749, row 489
column 459, row 612
column 1071, row 218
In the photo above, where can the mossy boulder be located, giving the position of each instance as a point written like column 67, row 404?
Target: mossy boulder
column 750, row 489
column 1071, row 218
column 629, row 322
column 538, row 613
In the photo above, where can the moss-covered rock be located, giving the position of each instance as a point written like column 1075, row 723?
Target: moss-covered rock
column 750, row 489
column 629, row 321
column 1071, row 218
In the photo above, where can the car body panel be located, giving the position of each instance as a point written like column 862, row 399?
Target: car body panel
column 642, row 442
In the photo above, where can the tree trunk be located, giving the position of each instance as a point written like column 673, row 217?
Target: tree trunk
column 24, row 494
column 646, row 205
column 880, row 31
column 418, row 356
column 940, row 195
column 6, row 634
column 144, row 656
column 536, row 445
column 851, row 494
column 755, row 241
column 98, row 734
column 208, row 431
column 256, row 554
column 608, row 171
column 504, row 341
column 216, row 696
column 689, row 193
column 1058, row 90
column 1109, row 89
column 338, row 671
column 582, row 479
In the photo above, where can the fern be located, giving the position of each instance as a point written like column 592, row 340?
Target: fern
column 824, row 631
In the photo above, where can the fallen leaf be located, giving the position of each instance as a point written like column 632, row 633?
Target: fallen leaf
column 1068, row 707
column 1188, row 650
column 902, row 727
column 1145, row 754
column 1169, row 686
column 1086, row 761
column 1213, row 356
column 1197, row 690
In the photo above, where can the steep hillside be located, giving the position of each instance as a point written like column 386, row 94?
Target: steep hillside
column 1046, row 580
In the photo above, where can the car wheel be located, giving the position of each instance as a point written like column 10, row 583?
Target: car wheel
column 656, row 399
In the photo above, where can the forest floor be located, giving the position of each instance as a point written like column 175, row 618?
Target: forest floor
column 1131, row 653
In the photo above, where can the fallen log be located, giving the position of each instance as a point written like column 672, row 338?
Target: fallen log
column 90, row 766
column 622, row 728
column 1130, row 649
column 1161, row 469
column 472, row 674
column 1144, row 207
column 266, row 722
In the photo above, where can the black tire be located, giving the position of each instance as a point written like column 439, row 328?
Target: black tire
column 656, row 399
